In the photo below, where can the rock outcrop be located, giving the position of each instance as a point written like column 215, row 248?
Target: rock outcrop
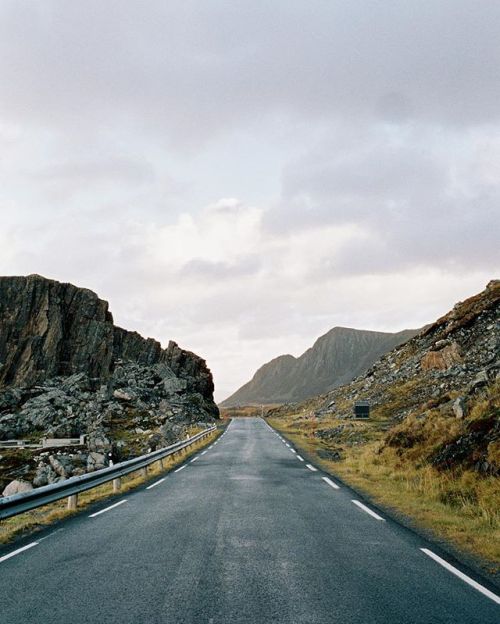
column 335, row 359
column 67, row 371
column 50, row 329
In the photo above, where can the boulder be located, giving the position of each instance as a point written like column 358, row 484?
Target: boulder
column 459, row 407
column 96, row 461
column 61, row 465
column 44, row 475
column 442, row 359
column 16, row 487
column 479, row 381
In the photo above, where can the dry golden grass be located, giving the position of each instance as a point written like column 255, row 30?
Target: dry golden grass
column 460, row 506
column 37, row 519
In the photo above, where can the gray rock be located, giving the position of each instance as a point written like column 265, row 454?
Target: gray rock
column 61, row 465
column 174, row 384
column 480, row 380
column 16, row 487
column 96, row 461
column 122, row 395
column 459, row 407
column 44, row 475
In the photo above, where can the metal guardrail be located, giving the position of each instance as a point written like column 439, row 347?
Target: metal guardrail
column 70, row 488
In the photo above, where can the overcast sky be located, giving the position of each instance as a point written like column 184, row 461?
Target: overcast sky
column 243, row 176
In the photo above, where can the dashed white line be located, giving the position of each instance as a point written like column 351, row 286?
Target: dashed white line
column 150, row 487
column 368, row 510
column 286, row 444
column 461, row 575
column 293, row 450
column 331, row 483
column 312, row 468
column 19, row 550
column 195, row 458
column 98, row 513
column 300, row 458
column 203, row 453
column 50, row 535
column 179, row 469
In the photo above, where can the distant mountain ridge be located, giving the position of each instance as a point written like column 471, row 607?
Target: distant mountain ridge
column 336, row 358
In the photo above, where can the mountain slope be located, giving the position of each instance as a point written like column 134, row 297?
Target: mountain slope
column 335, row 359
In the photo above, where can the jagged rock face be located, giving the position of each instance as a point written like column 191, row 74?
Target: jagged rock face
column 335, row 359
column 49, row 329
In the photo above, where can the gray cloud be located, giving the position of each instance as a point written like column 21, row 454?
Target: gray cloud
column 357, row 143
column 196, row 69
column 202, row 269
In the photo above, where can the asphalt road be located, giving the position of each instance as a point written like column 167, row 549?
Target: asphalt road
column 245, row 533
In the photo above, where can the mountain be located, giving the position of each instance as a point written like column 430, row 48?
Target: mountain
column 67, row 371
column 335, row 359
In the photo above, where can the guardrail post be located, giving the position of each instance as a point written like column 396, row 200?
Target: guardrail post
column 117, row 484
column 162, row 465
column 72, row 502
column 144, row 472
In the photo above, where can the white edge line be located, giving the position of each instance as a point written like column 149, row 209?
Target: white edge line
column 312, row 468
column 155, row 484
column 179, row 469
column 368, row 510
column 98, row 513
column 19, row 550
column 203, row 453
column 300, row 458
column 331, row 483
column 461, row 575
column 195, row 458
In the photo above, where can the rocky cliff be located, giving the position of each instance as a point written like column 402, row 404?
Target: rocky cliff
column 335, row 359
column 67, row 371
column 50, row 329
